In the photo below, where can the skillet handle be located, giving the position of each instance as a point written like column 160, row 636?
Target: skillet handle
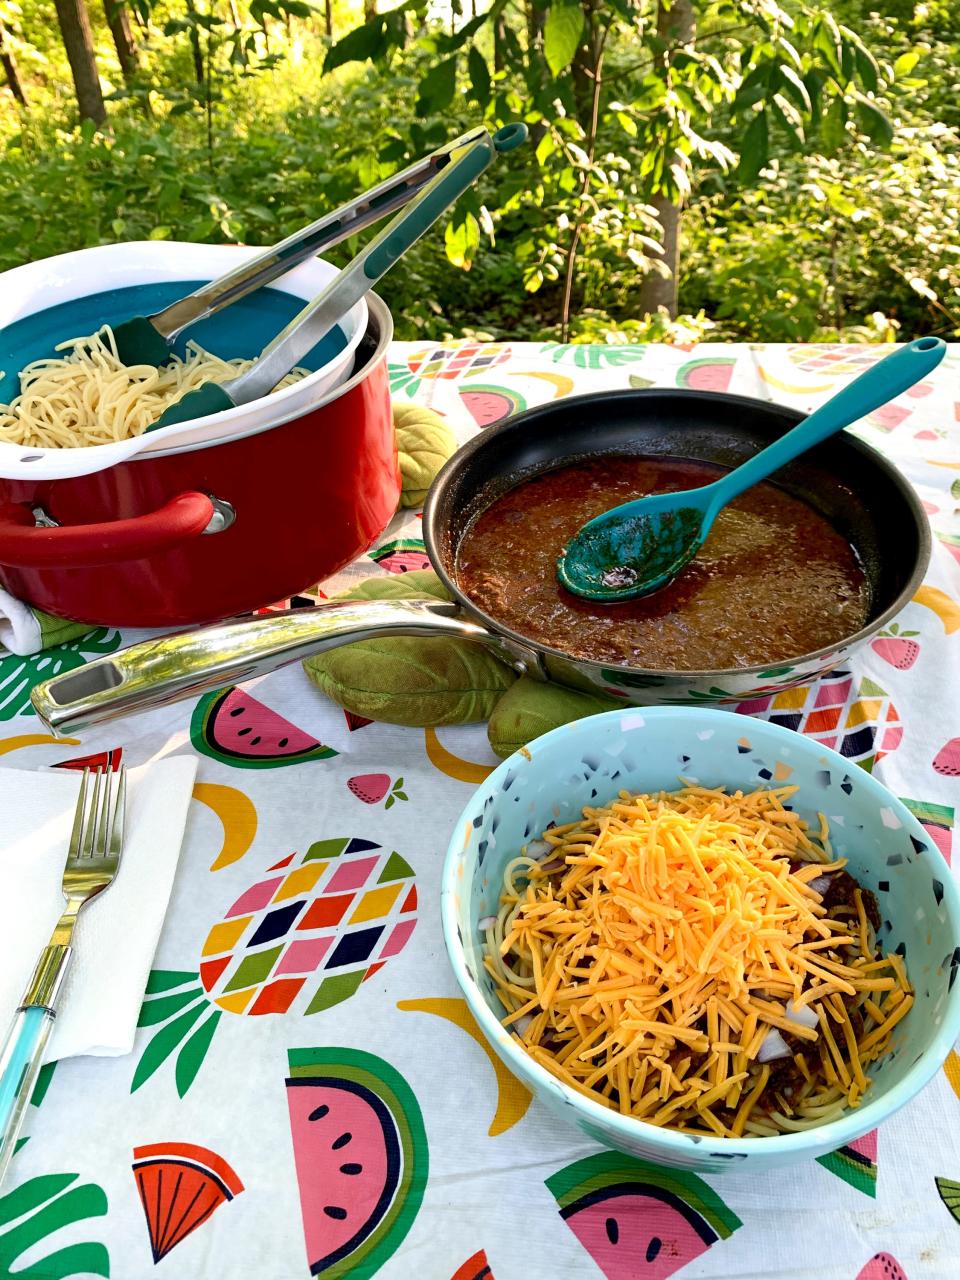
column 26, row 546
column 168, row 668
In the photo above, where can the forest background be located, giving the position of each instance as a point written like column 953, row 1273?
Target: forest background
column 753, row 171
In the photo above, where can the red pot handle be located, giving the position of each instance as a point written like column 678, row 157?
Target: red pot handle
column 25, row 546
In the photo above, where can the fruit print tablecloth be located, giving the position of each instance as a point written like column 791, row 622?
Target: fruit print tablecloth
column 307, row 1093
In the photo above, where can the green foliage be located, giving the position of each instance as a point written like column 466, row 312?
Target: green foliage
column 814, row 152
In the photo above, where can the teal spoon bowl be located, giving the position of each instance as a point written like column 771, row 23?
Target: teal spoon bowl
column 638, row 547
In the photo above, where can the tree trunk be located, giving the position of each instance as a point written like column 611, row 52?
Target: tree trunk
column 369, row 9
column 328, row 17
column 75, row 30
column 584, row 63
column 657, row 290
column 499, row 40
column 195, row 46
column 10, row 68
column 119, row 24
column 677, row 26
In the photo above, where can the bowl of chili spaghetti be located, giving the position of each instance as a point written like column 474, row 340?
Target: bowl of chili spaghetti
column 702, row 938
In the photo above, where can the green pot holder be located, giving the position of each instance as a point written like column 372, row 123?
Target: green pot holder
column 434, row 681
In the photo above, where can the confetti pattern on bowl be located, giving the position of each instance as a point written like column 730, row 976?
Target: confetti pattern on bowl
column 651, row 749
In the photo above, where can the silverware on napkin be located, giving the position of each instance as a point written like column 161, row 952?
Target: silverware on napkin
column 92, row 864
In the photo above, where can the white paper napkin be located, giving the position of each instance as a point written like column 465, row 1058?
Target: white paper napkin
column 117, row 933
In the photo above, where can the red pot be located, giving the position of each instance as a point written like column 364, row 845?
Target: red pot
column 191, row 535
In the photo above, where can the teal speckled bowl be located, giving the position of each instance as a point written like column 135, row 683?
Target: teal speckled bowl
column 647, row 749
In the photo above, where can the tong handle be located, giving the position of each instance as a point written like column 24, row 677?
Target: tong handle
column 385, row 198
column 316, row 319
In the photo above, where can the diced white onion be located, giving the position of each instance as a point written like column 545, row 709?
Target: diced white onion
column 487, row 922
column 774, row 1046
column 521, row 1024
column 537, row 848
column 820, row 885
column 805, row 1016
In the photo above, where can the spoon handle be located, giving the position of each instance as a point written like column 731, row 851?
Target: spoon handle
column 887, row 379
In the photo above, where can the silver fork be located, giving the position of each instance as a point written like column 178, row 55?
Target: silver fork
column 92, row 863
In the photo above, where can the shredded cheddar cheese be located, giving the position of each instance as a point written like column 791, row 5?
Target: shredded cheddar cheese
column 659, row 946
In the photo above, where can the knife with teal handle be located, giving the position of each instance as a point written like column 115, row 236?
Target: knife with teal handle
column 318, row 317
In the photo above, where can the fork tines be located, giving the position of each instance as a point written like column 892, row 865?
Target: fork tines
column 98, row 825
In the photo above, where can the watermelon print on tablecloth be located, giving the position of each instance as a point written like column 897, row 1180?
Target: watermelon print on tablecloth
column 99, row 760
column 233, row 727
column 882, row 1266
column 712, row 374
column 40, row 1208
column 300, row 940
column 855, row 1163
column 889, row 416
column 488, row 404
column 475, row 1268
column 638, row 1219
column 937, row 820
column 949, row 1192
column 401, row 555
column 448, row 363
column 355, row 722
column 18, row 675
column 181, row 1185
column 864, row 726
column 360, row 1151
column 947, row 759
column 836, row 357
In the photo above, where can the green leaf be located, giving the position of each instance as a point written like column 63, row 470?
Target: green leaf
column 867, row 68
column 874, row 123
column 794, row 86
column 479, row 75
column 356, row 46
column 754, row 149
column 438, row 87
column 561, row 35
column 832, row 126
column 163, row 1044
column 905, row 63
column 48, row 1211
column 191, row 1056
column 164, row 1007
column 461, row 241
column 165, row 979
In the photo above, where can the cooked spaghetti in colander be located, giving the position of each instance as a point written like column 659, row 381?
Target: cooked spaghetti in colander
column 88, row 396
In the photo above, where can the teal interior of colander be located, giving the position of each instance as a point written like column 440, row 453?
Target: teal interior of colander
column 242, row 330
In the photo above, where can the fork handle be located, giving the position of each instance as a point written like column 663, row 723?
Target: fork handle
column 20, row 1060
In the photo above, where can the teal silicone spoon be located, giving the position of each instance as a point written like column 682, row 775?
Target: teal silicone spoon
column 318, row 317
column 639, row 546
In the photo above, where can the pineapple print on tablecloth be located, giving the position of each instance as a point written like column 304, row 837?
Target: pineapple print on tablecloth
column 458, row 360
column 864, row 726
column 301, row 939
column 836, row 357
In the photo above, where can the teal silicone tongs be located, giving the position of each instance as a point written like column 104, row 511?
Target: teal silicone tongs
column 469, row 157
column 148, row 339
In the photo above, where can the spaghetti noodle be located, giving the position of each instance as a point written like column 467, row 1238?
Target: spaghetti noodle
column 88, row 396
column 699, row 960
